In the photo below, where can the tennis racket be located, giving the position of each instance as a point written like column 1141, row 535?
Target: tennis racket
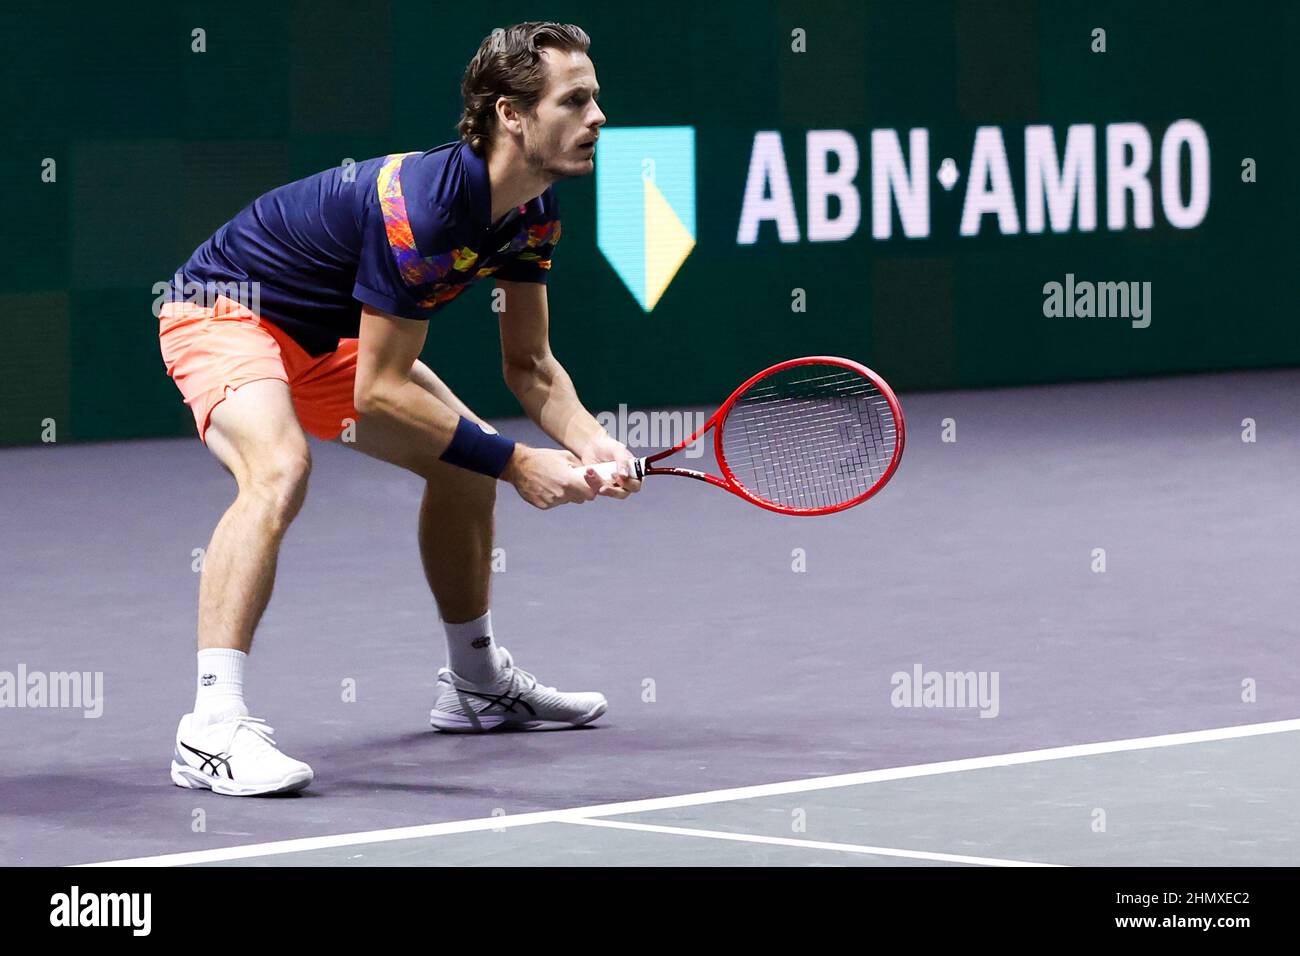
column 809, row 436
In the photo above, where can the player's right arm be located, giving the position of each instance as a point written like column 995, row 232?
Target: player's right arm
column 387, row 351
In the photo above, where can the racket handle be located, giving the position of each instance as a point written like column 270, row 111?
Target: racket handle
column 608, row 469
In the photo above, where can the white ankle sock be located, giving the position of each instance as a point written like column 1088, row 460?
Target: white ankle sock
column 221, row 682
column 471, row 650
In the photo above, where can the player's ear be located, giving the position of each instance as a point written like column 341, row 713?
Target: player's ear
column 509, row 118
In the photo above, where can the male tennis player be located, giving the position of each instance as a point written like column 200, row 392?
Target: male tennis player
column 347, row 267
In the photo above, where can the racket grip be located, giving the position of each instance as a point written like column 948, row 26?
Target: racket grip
column 608, row 469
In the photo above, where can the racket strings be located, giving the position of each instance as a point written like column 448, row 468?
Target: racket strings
column 810, row 436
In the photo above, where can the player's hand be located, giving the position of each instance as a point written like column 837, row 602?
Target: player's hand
column 545, row 477
column 604, row 448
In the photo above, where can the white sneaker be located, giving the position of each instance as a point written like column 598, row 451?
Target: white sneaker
column 515, row 701
column 235, row 755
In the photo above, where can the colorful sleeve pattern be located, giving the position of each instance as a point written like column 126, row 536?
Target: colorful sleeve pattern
column 440, row 278
column 415, row 269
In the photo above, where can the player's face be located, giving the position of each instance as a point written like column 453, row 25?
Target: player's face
column 560, row 139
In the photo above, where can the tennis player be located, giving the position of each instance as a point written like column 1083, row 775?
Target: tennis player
column 345, row 270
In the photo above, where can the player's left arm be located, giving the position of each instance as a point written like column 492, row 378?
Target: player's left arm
column 544, row 389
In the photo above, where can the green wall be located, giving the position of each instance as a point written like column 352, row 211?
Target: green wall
column 156, row 146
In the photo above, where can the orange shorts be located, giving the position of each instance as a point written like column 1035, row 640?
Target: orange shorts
column 210, row 352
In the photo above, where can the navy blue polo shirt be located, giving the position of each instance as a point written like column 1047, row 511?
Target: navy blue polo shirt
column 405, row 234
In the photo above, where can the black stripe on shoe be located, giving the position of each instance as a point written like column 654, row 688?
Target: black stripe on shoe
column 213, row 764
column 505, row 701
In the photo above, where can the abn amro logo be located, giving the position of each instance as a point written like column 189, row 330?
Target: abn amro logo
column 645, row 205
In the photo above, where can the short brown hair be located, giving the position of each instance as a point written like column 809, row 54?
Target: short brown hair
column 509, row 63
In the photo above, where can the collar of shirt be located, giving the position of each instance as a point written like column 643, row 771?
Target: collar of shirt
column 480, row 195
column 480, row 190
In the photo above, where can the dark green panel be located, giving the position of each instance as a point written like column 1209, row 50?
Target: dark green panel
column 34, row 367
column 119, row 385
column 127, row 215
column 240, row 87
column 337, row 84
column 33, row 242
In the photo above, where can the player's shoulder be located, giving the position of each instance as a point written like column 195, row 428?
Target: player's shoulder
column 449, row 172
column 428, row 177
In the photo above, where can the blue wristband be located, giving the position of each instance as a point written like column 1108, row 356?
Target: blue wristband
column 473, row 448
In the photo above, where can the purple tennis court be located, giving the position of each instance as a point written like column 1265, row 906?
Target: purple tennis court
column 1063, row 634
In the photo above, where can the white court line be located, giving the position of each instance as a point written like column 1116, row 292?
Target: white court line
column 712, row 796
column 807, row 844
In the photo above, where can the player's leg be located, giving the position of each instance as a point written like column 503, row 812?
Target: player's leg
column 456, row 510
column 481, row 689
column 232, row 374
column 255, row 435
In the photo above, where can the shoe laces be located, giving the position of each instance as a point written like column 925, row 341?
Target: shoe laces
column 260, row 729
column 529, row 681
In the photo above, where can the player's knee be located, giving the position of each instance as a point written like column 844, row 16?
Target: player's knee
column 277, row 484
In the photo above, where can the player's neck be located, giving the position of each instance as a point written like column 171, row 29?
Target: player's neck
column 512, row 182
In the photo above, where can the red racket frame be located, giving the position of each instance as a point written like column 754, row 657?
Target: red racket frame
column 730, row 483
